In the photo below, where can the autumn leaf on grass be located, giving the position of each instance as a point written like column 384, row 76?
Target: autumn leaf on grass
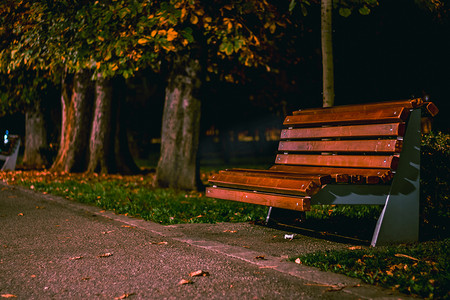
column 355, row 248
column 406, row 256
column 124, row 296
column 185, row 281
column 8, row 296
column 198, row 273
column 105, row 255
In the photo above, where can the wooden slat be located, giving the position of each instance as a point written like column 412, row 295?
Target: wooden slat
column 319, row 179
column 385, row 146
column 336, row 175
column 351, row 161
column 414, row 103
column 266, row 184
column 342, row 175
column 383, row 115
column 379, row 130
column 281, row 201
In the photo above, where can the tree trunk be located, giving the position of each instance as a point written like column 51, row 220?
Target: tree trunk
column 177, row 166
column 100, row 139
column 327, row 53
column 35, row 137
column 76, row 101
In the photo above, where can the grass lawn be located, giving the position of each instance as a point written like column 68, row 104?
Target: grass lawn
column 421, row 269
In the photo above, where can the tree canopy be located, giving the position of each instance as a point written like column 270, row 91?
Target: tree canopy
column 119, row 37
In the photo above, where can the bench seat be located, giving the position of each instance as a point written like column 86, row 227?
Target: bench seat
column 326, row 152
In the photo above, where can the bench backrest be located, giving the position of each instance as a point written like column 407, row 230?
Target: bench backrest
column 356, row 143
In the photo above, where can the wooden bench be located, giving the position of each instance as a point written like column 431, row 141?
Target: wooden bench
column 365, row 154
column 8, row 157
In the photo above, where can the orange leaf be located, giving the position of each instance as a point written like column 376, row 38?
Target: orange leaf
column 198, row 273
column 76, row 258
column 142, row 41
column 185, row 281
column 194, row 19
column 355, row 248
column 123, row 296
column 406, row 256
column 128, row 226
column 105, row 255
column 8, row 296
column 171, row 34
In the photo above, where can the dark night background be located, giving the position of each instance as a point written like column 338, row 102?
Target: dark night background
column 397, row 52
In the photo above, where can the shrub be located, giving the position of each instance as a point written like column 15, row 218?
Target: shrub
column 435, row 185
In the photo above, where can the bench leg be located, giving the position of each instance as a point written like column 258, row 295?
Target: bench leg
column 399, row 220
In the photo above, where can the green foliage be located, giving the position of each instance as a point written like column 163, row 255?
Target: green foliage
column 23, row 88
column 435, row 185
column 419, row 269
column 119, row 37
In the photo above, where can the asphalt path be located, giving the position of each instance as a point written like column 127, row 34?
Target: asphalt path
column 53, row 248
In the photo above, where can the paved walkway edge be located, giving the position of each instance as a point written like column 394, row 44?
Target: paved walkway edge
column 335, row 281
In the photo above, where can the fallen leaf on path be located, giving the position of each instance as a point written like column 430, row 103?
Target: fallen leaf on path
column 123, row 296
column 85, row 278
column 159, row 243
column 128, row 226
column 185, row 281
column 8, row 296
column 335, row 289
column 106, row 232
column 105, row 255
column 261, row 257
column 76, row 257
column 199, row 273
column 20, row 214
